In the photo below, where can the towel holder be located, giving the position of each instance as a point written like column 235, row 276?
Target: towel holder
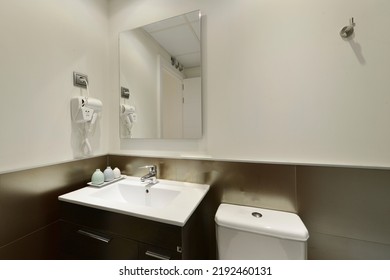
column 348, row 30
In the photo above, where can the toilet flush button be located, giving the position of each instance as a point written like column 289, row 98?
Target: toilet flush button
column 256, row 215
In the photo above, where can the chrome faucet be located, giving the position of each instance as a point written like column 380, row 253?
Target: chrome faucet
column 151, row 177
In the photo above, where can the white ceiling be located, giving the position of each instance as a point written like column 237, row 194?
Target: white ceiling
column 180, row 37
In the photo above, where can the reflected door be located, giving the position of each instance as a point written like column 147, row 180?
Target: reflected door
column 192, row 108
column 171, row 105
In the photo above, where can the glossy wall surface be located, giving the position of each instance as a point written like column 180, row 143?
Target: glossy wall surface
column 29, row 208
column 345, row 209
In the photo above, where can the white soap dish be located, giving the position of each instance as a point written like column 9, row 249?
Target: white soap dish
column 106, row 183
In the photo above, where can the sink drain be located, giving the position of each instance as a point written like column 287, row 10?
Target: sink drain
column 257, row 214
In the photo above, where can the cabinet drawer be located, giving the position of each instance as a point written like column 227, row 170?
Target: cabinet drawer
column 142, row 230
column 84, row 243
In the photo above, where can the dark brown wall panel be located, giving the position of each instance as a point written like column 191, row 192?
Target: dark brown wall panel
column 346, row 211
column 28, row 198
column 253, row 184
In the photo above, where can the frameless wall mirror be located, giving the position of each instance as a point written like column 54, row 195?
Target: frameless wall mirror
column 160, row 79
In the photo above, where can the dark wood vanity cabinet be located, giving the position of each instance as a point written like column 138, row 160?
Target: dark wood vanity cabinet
column 79, row 242
column 89, row 233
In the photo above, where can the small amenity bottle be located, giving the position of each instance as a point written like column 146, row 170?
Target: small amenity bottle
column 117, row 173
column 108, row 174
column 97, row 177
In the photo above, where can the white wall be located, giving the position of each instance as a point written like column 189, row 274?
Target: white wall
column 280, row 85
column 42, row 42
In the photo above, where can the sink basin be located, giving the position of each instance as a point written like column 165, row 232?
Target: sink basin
column 155, row 197
column 167, row 201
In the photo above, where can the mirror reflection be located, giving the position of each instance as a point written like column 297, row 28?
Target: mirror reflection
column 160, row 79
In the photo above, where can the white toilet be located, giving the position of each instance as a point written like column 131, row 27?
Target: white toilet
column 248, row 233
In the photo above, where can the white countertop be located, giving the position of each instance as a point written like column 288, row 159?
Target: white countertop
column 176, row 201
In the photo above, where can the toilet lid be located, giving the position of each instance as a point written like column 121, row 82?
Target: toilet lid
column 262, row 221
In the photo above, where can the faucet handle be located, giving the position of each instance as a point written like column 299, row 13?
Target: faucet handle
column 152, row 168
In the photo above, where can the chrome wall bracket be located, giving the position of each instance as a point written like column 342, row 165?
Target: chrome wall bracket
column 348, row 30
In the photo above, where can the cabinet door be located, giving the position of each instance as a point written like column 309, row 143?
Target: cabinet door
column 85, row 243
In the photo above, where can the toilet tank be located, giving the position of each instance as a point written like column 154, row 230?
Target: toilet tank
column 250, row 233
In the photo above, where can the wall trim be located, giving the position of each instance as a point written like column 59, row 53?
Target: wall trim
column 51, row 164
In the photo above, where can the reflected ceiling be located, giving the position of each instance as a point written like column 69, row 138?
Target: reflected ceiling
column 184, row 29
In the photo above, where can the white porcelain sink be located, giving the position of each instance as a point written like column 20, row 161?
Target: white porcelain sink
column 167, row 201
column 155, row 197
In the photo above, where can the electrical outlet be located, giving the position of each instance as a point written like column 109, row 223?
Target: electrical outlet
column 125, row 93
column 78, row 80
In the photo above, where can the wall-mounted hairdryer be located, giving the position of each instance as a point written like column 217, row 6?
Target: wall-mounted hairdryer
column 85, row 110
